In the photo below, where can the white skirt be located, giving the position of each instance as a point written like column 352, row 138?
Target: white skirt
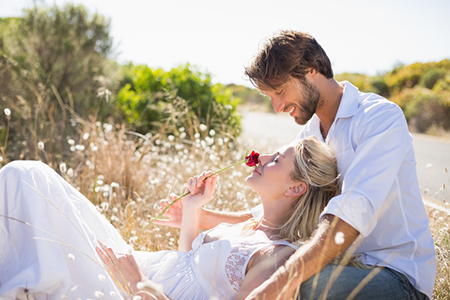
column 48, row 233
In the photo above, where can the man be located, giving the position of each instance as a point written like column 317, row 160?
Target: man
column 379, row 217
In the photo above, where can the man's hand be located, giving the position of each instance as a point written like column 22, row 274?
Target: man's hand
column 330, row 240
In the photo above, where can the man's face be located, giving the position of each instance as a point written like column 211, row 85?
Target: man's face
column 297, row 97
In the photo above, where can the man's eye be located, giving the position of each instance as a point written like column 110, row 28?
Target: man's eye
column 279, row 92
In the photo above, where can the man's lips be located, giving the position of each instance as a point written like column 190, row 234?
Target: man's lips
column 290, row 110
column 256, row 170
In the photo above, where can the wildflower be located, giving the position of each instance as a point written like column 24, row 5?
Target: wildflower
column 85, row 135
column 250, row 160
column 79, row 147
column 63, row 167
column 339, row 238
column 41, row 145
column 98, row 294
column 71, row 142
column 7, row 112
column 171, row 138
column 203, row 127
column 71, row 256
column 212, row 132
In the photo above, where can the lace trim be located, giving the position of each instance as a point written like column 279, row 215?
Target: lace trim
column 237, row 260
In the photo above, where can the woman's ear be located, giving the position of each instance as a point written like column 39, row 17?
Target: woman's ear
column 296, row 190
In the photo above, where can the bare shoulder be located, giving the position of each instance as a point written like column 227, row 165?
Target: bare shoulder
column 271, row 256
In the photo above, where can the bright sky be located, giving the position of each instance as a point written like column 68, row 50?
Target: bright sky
column 221, row 37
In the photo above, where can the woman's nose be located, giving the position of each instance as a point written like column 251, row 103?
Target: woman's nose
column 262, row 159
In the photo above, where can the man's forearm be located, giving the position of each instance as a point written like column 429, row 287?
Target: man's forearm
column 212, row 218
column 309, row 259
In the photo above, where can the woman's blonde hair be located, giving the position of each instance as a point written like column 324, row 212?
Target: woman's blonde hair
column 315, row 165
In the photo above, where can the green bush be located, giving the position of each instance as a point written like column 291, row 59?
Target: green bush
column 431, row 76
column 154, row 100
column 424, row 109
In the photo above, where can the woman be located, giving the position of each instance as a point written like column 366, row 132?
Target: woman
column 54, row 256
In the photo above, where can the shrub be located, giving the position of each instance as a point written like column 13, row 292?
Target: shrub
column 431, row 76
column 424, row 109
column 154, row 100
column 52, row 66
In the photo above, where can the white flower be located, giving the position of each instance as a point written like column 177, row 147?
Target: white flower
column 41, row 145
column 63, row 167
column 171, row 138
column 203, row 127
column 71, row 142
column 7, row 112
column 339, row 238
column 70, row 172
column 212, row 132
column 79, row 147
column 71, row 256
column 85, row 135
column 98, row 294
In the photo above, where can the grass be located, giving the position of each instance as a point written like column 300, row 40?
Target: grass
column 125, row 175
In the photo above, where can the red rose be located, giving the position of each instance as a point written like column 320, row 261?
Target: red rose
column 252, row 159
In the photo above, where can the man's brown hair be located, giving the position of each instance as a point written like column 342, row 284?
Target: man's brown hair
column 288, row 54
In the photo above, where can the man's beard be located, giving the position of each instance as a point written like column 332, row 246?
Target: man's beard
column 308, row 103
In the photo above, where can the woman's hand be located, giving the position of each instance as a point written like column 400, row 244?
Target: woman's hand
column 201, row 191
column 123, row 267
column 173, row 214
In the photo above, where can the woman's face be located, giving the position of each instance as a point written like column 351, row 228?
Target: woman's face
column 272, row 176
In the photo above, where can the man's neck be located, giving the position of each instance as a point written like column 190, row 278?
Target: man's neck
column 331, row 94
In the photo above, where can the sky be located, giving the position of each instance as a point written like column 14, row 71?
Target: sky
column 221, row 37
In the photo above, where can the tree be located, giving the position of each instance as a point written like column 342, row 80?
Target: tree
column 53, row 63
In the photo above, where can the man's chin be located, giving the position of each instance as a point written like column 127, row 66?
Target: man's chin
column 300, row 121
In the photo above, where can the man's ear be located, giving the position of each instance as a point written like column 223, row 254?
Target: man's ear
column 296, row 190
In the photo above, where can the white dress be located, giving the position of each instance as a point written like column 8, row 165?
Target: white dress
column 53, row 255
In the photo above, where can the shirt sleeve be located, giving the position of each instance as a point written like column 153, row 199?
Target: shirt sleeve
column 381, row 141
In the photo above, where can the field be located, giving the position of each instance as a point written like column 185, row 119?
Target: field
column 125, row 175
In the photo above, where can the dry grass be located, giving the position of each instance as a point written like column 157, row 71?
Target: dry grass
column 125, row 175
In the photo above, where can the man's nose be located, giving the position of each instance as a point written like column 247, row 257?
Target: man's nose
column 277, row 105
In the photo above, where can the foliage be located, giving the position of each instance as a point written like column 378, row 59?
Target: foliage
column 430, row 77
column 252, row 98
column 424, row 109
column 53, row 63
column 154, row 100
column 422, row 90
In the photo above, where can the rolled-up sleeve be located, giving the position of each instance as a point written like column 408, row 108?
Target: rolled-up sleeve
column 380, row 142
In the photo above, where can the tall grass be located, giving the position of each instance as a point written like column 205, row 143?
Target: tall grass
column 125, row 175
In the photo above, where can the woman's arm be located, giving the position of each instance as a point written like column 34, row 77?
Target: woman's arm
column 261, row 267
column 208, row 218
column 201, row 191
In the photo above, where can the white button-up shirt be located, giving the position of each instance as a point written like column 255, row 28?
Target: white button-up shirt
column 380, row 191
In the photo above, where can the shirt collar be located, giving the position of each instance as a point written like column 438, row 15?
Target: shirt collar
column 349, row 101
